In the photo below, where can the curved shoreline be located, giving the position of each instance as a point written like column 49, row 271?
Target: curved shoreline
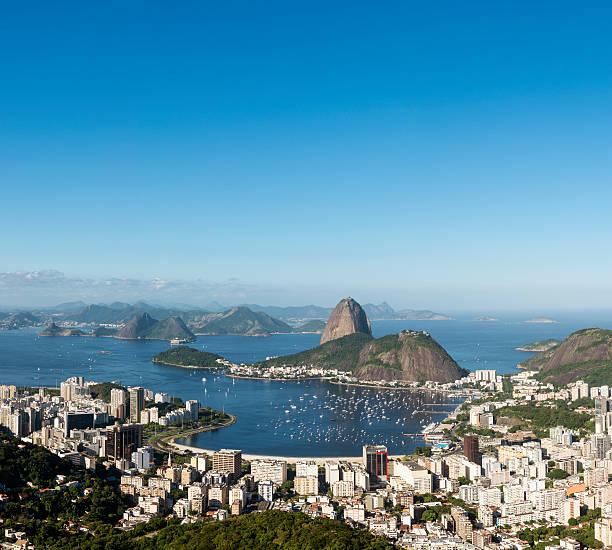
column 323, row 378
column 168, row 442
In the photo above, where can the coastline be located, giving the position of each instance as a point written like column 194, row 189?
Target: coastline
column 186, row 366
column 165, row 444
column 319, row 460
column 329, row 379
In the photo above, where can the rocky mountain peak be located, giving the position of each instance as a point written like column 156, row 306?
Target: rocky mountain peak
column 347, row 318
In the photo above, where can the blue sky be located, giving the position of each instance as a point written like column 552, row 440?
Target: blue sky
column 446, row 156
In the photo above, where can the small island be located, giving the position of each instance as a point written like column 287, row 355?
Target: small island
column 485, row 319
column 54, row 330
column 542, row 320
column 190, row 358
column 539, row 346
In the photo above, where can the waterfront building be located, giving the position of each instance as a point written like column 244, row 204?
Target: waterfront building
column 270, row 470
column 162, row 398
column 193, row 408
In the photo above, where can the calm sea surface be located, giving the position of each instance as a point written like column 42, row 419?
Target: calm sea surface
column 312, row 418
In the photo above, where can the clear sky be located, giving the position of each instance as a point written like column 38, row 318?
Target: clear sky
column 440, row 155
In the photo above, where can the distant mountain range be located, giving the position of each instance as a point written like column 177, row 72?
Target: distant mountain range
column 21, row 319
column 375, row 312
column 243, row 321
column 250, row 320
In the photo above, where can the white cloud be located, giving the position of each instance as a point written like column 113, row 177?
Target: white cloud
column 21, row 288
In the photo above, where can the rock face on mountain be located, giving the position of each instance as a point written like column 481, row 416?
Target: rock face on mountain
column 583, row 355
column 409, row 356
column 347, row 318
column 137, row 327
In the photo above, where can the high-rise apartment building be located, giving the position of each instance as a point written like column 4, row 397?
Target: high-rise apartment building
column 122, row 441
column 228, row 460
column 471, row 449
column 375, row 460
column 118, row 403
column 136, row 403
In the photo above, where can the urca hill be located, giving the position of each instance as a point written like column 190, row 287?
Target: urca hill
column 347, row 344
column 583, row 355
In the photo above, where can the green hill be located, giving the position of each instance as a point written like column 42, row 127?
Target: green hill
column 341, row 353
column 408, row 356
column 272, row 530
column 184, row 356
column 53, row 330
column 145, row 327
column 169, row 329
column 583, row 355
column 242, row 321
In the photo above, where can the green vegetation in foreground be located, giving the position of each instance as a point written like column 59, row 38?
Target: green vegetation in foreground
column 541, row 418
column 41, row 507
column 187, row 357
column 342, row 353
column 272, row 530
column 541, row 537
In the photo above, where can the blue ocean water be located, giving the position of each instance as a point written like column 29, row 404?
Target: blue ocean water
column 311, row 418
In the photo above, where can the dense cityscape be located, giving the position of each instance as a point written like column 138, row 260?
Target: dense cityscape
column 481, row 478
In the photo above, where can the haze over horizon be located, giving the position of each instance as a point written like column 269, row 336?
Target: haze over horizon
column 290, row 155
